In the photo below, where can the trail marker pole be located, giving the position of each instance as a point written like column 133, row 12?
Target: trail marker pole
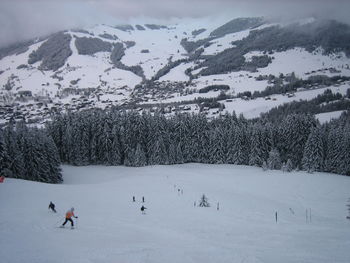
column 276, row 216
column 306, row 215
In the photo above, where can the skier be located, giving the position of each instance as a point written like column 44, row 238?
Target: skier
column 143, row 210
column 52, row 206
column 143, row 199
column 69, row 215
column 133, row 198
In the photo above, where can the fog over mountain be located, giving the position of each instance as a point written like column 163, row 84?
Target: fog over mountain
column 25, row 19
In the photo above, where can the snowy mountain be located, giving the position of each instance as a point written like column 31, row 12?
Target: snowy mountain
column 248, row 65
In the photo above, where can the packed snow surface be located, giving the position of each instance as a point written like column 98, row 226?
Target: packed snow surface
column 111, row 228
column 328, row 116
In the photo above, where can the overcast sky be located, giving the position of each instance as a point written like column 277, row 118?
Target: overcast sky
column 26, row 19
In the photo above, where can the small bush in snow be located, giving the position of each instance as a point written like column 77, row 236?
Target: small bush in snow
column 203, row 202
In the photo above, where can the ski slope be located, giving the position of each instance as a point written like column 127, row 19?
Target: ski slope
column 111, row 227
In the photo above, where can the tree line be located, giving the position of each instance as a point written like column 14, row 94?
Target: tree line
column 113, row 137
column 133, row 139
column 29, row 153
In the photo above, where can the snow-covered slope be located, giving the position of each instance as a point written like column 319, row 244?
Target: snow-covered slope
column 111, row 228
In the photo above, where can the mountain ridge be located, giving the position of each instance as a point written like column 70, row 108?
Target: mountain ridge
column 140, row 63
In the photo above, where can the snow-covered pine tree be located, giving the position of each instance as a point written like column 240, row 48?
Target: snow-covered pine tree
column 259, row 146
column 116, row 148
column 344, row 165
column 274, row 160
column 14, row 152
column 292, row 136
column 158, row 155
column 231, row 144
column 55, row 129
column 172, row 153
column 334, row 145
column 5, row 161
column 264, row 166
column 106, row 145
column 288, row 166
column 217, row 146
column 203, row 202
column 139, row 157
column 313, row 152
column 53, row 159
column 179, row 156
column 240, row 149
column 129, row 159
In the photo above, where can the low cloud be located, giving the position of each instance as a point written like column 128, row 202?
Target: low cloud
column 25, row 19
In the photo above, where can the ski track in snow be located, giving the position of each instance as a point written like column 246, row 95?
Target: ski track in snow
column 110, row 227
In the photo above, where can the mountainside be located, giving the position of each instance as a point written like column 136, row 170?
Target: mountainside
column 247, row 65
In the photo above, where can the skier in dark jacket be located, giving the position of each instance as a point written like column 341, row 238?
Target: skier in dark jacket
column 143, row 210
column 52, row 206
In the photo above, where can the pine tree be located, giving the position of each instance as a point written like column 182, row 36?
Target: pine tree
column 203, row 202
column 5, row 161
column 344, row 165
column 172, row 154
column 313, row 152
column 334, row 145
column 292, row 136
column 265, row 166
column 240, row 147
column 106, row 145
column 217, row 146
column 139, row 157
column 14, row 152
column 53, row 160
column 116, row 148
column 274, row 160
column 288, row 166
column 179, row 156
column 259, row 147
column 129, row 157
column 158, row 154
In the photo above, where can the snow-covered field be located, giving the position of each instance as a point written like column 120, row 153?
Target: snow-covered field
column 111, row 227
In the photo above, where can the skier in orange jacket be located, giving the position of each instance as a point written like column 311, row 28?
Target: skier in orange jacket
column 69, row 215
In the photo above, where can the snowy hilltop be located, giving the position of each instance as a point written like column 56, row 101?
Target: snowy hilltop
column 246, row 65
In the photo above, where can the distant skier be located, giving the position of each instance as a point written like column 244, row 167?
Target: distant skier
column 133, row 198
column 143, row 199
column 69, row 215
column 52, row 207
column 143, row 210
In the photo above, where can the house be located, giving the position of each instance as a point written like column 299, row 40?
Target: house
column 25, row 94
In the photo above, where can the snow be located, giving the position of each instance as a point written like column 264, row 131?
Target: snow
column 303, row 63
column 253, row 108
column 164, row 45
column 178, row 73
column 328, row 116
column 220, row 44
column 111, row 228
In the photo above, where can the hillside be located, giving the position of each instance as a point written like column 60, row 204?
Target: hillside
column 111, row 228
column 143, row 65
